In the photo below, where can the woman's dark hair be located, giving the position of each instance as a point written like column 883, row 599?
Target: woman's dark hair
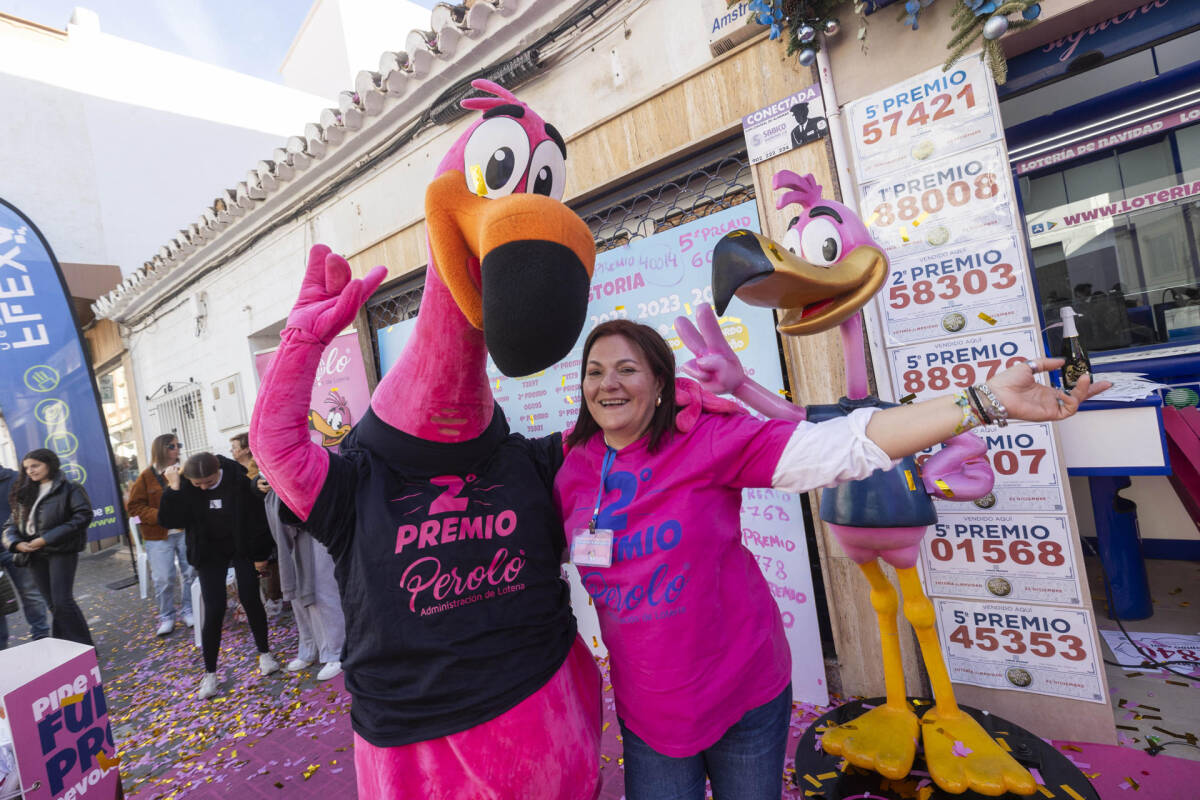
column 24, row 491
column 158, row 449
column 201, row 465
column 661, row 361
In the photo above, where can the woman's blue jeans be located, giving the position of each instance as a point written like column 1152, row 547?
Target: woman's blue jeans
column 746, row 763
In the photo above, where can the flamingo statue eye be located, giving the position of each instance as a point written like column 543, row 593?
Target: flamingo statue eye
column 500, row 148
column 547, row 171
column 791, row 241
column 821, row 243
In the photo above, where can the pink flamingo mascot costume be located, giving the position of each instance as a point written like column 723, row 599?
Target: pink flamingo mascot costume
column 825, row 270
column 467, row 676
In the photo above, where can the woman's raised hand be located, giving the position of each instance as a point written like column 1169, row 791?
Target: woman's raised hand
column 1026, row 399
column 329, row 297
column 715, row 366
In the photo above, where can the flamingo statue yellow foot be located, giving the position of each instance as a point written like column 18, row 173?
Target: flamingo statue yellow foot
column 823, row 272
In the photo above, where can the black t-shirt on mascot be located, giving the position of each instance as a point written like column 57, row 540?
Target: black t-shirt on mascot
column 467, row 612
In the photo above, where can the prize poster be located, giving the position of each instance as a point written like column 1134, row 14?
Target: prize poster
column 929, row 116
column 1016, row 557
column 967, row 289
column 1042, row 649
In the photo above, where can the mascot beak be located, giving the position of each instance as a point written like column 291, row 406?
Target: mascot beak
column 518, row 267
column 812, row 298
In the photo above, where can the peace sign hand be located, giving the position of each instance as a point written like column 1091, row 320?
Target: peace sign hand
column 715, row 367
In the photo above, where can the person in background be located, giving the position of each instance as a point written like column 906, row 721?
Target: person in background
column 32, row 603
column 214, row 502
column 48, row 527
column 307, row 579
column 268, row 571
column 166, row 548
column 239, row 447
column 650, row 494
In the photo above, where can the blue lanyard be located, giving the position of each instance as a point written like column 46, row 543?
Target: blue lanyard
column 610, row 456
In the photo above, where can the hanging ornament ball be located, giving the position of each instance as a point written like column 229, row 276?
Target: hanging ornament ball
column 832, row 26
column 807, row 57
column 995, row 27
column 1032, row 12
column 806, row 33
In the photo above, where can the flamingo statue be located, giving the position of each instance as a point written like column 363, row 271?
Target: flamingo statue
column 823, row 272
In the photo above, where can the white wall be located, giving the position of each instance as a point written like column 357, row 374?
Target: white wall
column 340, row 38
column 111, row 146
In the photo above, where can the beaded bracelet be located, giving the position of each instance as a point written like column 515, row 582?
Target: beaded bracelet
column 970, row 418
column 999, row 413
column 987, row 419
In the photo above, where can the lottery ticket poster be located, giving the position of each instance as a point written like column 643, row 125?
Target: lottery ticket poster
column 935, row 190
column 1012, row 557
column 1026, row 648
column 653, row 281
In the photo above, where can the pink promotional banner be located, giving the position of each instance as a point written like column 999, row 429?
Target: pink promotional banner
column 340, row 395
column 53, row 701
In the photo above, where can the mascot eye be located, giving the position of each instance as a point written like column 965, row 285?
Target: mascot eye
column 791, row 241
column 500, row 148
column 335, row 420
column 547, row 171
column 820, row 242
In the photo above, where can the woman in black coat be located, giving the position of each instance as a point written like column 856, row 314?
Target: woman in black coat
column 225, row 523
column 48, row 527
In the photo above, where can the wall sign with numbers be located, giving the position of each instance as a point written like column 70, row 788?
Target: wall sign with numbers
column 1042, row 649
column 1016, row 557
column 936, row 191
column 952, row 201
column 957, row 290
column 931, row 116
column 1025, row 465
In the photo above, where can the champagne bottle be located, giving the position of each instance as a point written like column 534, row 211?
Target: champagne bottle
column 1077, row 364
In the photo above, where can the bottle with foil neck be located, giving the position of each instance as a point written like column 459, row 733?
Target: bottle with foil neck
column 1077, row 364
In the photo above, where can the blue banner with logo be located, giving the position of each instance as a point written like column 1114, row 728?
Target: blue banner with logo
column 47, row 392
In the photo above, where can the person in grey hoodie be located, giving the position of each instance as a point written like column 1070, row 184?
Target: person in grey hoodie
column 307, row 580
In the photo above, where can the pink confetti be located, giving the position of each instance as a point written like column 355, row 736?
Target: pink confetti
column 961, row 750
column 1037, row 776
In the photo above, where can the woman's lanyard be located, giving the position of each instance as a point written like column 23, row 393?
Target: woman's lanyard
column 610, row 456
column 593, row 546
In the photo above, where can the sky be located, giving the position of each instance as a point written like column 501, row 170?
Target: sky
column 249, row 36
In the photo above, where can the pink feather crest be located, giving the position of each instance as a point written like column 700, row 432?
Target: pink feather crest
column 805, row 189
column 502, row 96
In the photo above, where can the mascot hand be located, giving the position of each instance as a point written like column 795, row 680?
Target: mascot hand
column 960, row 470
column 329, row 299
column 715, row 366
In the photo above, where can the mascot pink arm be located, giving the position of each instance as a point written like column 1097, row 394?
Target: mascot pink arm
column 328, row 301
column 823, row 272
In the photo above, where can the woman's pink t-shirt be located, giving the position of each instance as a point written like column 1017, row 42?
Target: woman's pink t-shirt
column 694, row 636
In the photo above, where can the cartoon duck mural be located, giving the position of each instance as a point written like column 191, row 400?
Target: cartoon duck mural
column 336, row 423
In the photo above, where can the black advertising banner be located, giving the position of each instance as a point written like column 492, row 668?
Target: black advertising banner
column 47, row 391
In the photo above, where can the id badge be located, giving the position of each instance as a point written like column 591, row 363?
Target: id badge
column 592, row 548
column 214, row 503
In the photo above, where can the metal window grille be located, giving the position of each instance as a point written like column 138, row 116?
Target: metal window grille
column 180, row 411
column 673, row 196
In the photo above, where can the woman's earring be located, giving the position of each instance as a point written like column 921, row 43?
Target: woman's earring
column 658, row 402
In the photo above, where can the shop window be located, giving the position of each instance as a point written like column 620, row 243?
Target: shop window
column 1117, row 237
column 118, row 416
